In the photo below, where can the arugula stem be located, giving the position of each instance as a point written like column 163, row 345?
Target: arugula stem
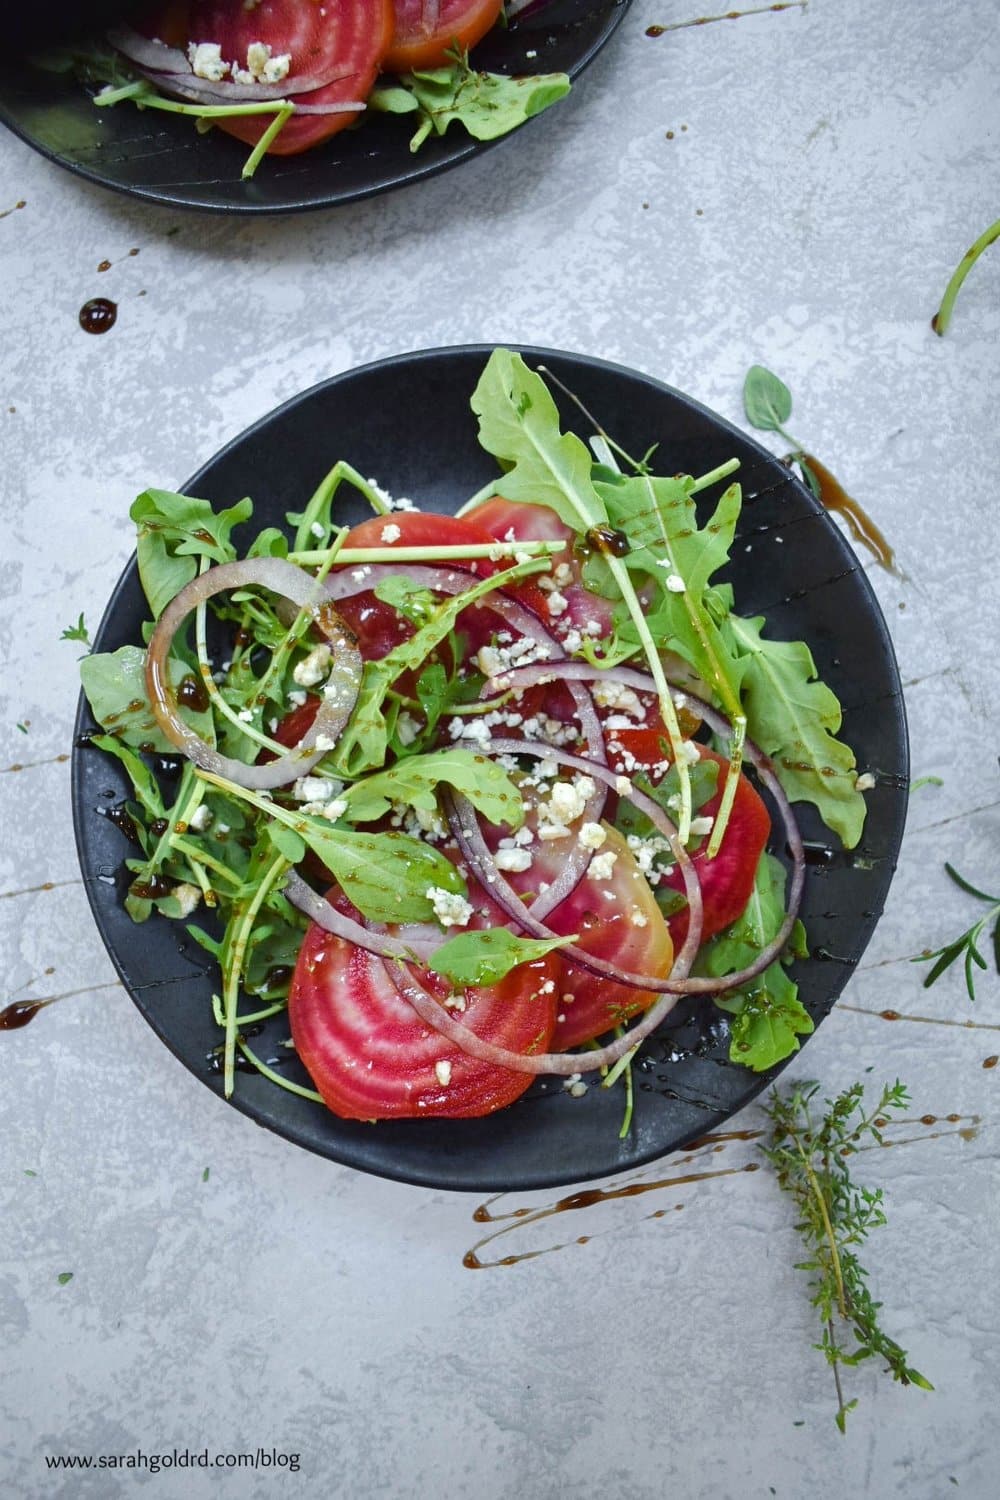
column 624, row 581
column 303, row 619
column 286, row 1083
column 258, row 153
column 457, row 552
column 199, row 856
column 942, row 317
column 241, row 931
column 714, row 475
column 323, row 495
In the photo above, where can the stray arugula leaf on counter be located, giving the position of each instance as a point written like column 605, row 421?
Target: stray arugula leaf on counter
column 23, row 726
column 968, row 943
column 810, row 1158
column 767, row 402
column 77, row 632
column 942, row 317
column 64, row 1277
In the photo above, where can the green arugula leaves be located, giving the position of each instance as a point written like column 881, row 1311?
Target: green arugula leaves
column 768, row 1017
column 486, row 105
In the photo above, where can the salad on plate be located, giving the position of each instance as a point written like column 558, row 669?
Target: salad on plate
column 475, row 798
column 284, row 76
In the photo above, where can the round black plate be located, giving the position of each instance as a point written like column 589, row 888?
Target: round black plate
column 162, row 158
column 407, row 422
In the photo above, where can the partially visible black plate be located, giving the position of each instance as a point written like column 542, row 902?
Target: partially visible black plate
column 162, row 158
column 407, row 422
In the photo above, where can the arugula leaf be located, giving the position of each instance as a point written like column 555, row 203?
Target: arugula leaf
column 115, row 685
column 173, row 531
column 767, row 401
column 519, row 425
column 414, row 602
column 672, row 553
column 795, row 718
column 77, row 632
column 486, row 956
column 768, row 1017
column 146, row 786
column 363, row 744
column 412, row 781
column 487, row 105
column 385, row 875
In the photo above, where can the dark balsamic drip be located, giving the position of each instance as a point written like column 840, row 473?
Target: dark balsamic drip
column 609, row 541
column 18, row 1014
column 193, row 694
column 122, row 820
column 98, row 315
column 833, row 496
column 151, row 889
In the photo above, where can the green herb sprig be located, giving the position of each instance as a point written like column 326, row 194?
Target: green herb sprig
column 966, row 946
column 810, row 1158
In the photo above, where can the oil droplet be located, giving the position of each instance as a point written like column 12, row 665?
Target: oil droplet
column 105, row 265
column 98, row 315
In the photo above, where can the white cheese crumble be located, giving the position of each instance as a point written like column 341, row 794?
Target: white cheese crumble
column 558, row 603
column 701, row 826
column 187, row 898
column 206, row 61
column 262, row 67
column 451, row 909
column 331, row 811
column 200, row 818
column 602, row 865
column 316, row 789
column 442, row 1072
column 515, row 860
column 390, row 533
column 591, row 836
column 314, row 667
column 864, row 782
column 638, row 918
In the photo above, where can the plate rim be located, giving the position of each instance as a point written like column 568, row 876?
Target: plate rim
column 341, row 1153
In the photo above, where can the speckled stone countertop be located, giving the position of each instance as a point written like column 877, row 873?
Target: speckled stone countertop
column 794, row 188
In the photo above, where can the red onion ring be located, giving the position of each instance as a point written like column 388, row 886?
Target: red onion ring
column 345, row 584
column 480, row 857
column 340, row 690
column 170, row 70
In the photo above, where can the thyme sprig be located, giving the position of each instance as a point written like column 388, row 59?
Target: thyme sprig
column 811, row 1160
column 967, row 943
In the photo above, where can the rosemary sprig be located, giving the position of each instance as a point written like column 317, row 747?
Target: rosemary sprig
column 968, row 942
column 810, row 1158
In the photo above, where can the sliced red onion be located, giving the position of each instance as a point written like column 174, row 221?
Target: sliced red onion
column 343, row 107
column 323, row 912
column 170, row 70
column 340, row 691
column 464, row 825
column 351, row 581
column 470, row 840
column 147, row 52
column 580, row 671
column 564, row 1064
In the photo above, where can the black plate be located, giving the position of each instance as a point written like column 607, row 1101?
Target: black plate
column 162, row 158
column 407, row 422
